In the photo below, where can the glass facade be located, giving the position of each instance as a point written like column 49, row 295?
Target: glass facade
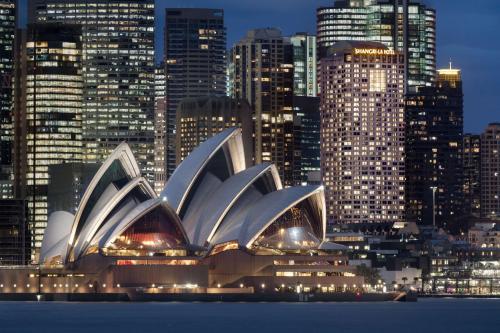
column 434, row 139
column 490, row 171
column 307, row 126
column 304, row 65
column 118, row 73
column 54, row 91
column 294, row 230
column 160, row 128
column 195, row 60
column 262, row 65
column 406, row 26
column 7, row 32
column 155, row 233
column 472, row 174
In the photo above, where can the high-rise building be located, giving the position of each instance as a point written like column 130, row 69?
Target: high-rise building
column 304, row 65
column 262, row 74
column 160, row 128
column 14, row 233
column 490, row 172
column 195, row 59
column 362, row 133
column 49, row 125
column 434, row 165
column 307, row 157
column 68, row 182
column 472, row 175
column 7, row 34
column 198, row 119
column 118, row 72
column 407, row 26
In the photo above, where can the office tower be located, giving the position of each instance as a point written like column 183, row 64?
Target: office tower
column 49, row 121
column 304, row 65
column 262, row 65
column 434, row 166
column 195, row 60
column 407, row 26
column 118, row 72
column 160, row 128
column 198, row 119
column 307, row 123
column 362, row 133
column 345, row 20
column 68, row 182
column 14, row 234
column 490, row 172
column 7, row 33
column 472, row 175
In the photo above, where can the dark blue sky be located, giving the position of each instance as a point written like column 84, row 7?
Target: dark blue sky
column 467, row 32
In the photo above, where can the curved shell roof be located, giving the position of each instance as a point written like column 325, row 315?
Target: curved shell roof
column 127, row 165
column 55, row 238
column 246, row 226
column 90, row 229
column 187, row 173
column 134, row 215
column 202, row 224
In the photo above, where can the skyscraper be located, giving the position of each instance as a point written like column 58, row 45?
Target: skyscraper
column 14, row 234
column 7, row 33
column 195, row 58
column 407, row 26
column 304, row 65
column 362, row 133
column 262, row 73
column 434, row 165
column 307, row 127
column 472, row 175
column 50, row 122
column 118, row 72
column 198, row 119
column 160, row 128
column 490, row 172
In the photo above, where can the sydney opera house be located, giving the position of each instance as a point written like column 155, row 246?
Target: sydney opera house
column 218, row 225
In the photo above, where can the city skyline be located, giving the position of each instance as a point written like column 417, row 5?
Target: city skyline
column 467, row 45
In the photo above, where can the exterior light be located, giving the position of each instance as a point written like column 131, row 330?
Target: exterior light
column 66, row 285
column 218, row 285
column 76, row 285
column 28, row 285
column 41, row 285
column 15, row 285
column 175, row 285
column 55, row 285
column 241, row 285
column 263, row 286
column 90, row 286
column 118, row 285
column 104, row 285
column 282, row 286
column 319, row 286
column 154, row 286
column 164, row 199
column 1, row 285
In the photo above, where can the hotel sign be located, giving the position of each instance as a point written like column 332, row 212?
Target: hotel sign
column 373, row 52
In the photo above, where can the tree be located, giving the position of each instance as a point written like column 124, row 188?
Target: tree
column 370, row 274
column 404, row 280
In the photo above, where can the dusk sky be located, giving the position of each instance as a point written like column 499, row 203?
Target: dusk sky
column 467, row 32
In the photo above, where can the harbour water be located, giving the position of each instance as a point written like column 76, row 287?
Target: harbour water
column 424, row 316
